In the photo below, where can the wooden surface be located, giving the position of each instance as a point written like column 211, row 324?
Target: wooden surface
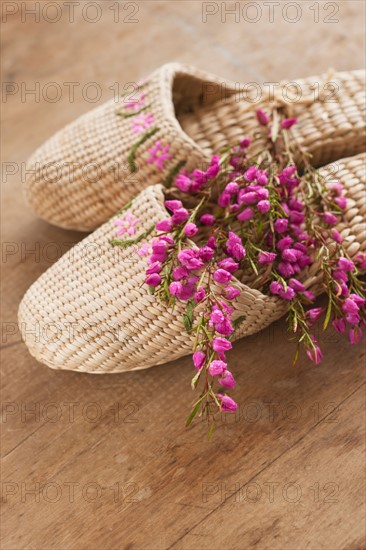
column 105, row 462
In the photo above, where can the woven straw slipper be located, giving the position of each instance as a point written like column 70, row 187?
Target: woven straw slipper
column 92, row 312
column 83, row 174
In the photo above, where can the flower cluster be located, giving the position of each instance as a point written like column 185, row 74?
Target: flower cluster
column 260, row 220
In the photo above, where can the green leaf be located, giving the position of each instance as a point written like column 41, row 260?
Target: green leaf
column 187, row 323
column 328, row 314
column 129, row 115
column 194, row 411
column 195, row 379
column 239, row 320
column 210, row 431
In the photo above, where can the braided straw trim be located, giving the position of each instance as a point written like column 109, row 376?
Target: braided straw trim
column 104, row 320
column 81, row 176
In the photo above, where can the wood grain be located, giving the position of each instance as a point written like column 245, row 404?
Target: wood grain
column 108, row 458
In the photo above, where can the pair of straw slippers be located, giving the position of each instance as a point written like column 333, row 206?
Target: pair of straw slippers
column 91, row 311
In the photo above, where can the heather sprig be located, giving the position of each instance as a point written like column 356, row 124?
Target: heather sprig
column 267, row 220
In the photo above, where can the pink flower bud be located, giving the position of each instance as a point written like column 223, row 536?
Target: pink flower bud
column 330, row 218
column 355, row 336
column 155, row 267
column 266, row 257
column 339, row 325
column 263, row 206
column 164, row 225
column 200, row 295
column 222, row 276
column 281, row 225
column 153, row 280
column 288, row 122
column 262, row 117
column 345, row 264
column 227, row 404
column 173, row 205
column 217, row 367
column 232, row 292
column 221, row 344
column 207, row 219
column 190, row 229
column 175, row 288
column 227, row 380
column 198, row 359
column 180, row 216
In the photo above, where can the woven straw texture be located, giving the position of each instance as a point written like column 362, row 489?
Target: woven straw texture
column 92, row 312
column 81, row 176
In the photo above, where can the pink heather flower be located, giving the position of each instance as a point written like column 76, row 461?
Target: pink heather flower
column 275, row 287
column 339, row 325
column 227, row 404
column 180, row 273
column 180, row 215
column 262, row 177
column 224, row 327
column 234, row 246
column 173, row 205
column 247, row 197
column 200, row 294
column 353, row 318
column 315, row 354
column 224, row 200
column 309, row 295
column 288, row 122
column 281, row 225
column 290, row 255
column 222, row 276
column 330, row 218
column 187, row 292
column 137, row 103
column 296, row 285
column 188, row 258
column 164, row 225
column 359, row 300
column 246, row 214
column 153, row 280
column 361, row 260
column 350, row 306
column 206, row 253
column 245, row 142
column 337, row 187
column 341, row 202
column 190, row 229
column 285, row 269
column 263, row 206
column 262, row 192
column 217, row 367
column 262, row 117
column 207, row 219
column 314, row 314
column 336, row 236
column 221, row 344
column 232, row 188
column 227, row 380
column 251, row 174
column 126, row 225
column 142, row 122
column 266, row 257
column 345, row 265
column 287, row 294
column 231, row 292
column 355, row 335
column 228, row 264
column 283, row 243
column 198, row 359
column 175, row 288
column 185, row 184
column 158, row 155
column 340, row 276
column 211, row 243
column 159, row 246
column 214, row 168
column 154, row 267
